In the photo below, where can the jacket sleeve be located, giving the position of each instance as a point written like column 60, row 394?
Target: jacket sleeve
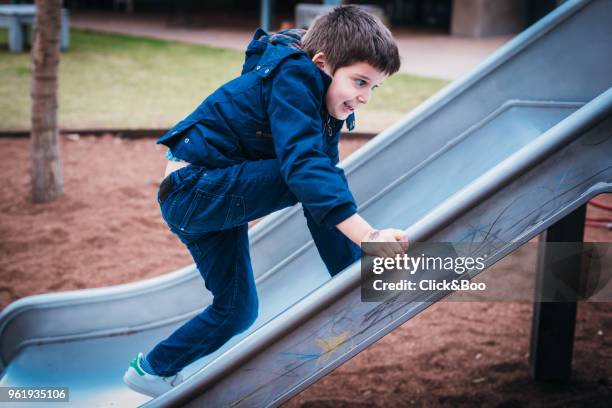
column 294, row 109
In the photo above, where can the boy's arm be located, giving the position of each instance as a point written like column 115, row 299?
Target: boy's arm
column 355, row 228
column 294, row 107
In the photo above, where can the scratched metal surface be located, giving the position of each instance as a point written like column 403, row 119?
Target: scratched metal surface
column 507, row 105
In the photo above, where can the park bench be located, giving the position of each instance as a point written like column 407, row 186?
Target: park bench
column 17, row 17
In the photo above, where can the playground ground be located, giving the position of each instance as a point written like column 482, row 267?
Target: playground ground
column 106, row 230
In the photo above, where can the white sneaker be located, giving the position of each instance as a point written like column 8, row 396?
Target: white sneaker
column 152, row 385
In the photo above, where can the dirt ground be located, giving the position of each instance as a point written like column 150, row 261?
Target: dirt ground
column 106, row 230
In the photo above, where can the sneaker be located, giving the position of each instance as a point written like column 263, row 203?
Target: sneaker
column 152, row 385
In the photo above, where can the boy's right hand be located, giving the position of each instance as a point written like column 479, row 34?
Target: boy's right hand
column 389, row 242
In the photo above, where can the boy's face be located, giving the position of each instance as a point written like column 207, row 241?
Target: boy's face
column 351, row 87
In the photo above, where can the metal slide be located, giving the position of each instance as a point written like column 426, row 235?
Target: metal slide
column 494, row 158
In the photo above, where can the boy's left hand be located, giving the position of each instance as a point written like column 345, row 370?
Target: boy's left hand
column 391, row 242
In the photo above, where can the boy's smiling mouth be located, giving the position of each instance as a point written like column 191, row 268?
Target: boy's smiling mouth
column 349, row 107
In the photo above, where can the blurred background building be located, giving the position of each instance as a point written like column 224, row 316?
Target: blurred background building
column 471, row 18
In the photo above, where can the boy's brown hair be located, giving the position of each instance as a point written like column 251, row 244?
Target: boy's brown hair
column 349, row 34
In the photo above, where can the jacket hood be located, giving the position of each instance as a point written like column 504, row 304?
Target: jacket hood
column 291, row 37
column 266, row 51
column 271, row 49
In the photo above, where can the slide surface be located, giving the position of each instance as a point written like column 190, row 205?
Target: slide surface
column 492, row 159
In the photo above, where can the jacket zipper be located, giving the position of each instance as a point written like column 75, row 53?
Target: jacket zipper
column 328, row 126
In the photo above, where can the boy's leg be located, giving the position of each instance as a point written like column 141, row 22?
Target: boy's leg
column 336, row 250
column 227, row 199
column 209, row 209
column 222, row 257
column 259, row 189
column 264, row 190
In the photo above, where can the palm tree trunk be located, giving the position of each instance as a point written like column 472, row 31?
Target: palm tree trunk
column 47, row 181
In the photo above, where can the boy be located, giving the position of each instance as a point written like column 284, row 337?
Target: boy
column 262, row 142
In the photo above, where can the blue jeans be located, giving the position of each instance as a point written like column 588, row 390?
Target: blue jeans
column 209, row 210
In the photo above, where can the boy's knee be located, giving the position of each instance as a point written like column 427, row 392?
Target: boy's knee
column 244, row 318
column 244, row 314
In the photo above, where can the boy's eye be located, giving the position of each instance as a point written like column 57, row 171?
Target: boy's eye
column 360, row 82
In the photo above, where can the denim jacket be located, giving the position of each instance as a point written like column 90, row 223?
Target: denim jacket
column 274, row 109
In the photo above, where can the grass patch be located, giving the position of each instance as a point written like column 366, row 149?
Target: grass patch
column 119, row 81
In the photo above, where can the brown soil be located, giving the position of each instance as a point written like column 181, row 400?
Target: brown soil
column 106, row 230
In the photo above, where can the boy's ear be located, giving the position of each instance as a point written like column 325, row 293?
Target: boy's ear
column 319, row 60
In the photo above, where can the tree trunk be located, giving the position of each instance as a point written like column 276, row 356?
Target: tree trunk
column 47, row 181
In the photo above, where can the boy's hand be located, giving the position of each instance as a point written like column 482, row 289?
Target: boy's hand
column 390, row 242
